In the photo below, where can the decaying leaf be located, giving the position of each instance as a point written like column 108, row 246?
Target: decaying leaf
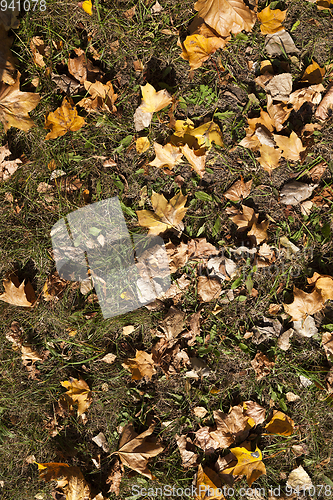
column 271, row 20
column 62, row 120
column 304, row 304
column 249, row 463
column 39, row 50
column 136, row 449
column 305, row 327
column 294, row 192
column 78, row 392
column 280, row 424
column 114, row 477
column 325, row 108
column 141, row 366
column 166, row 156
column 261, row 365
column 323, row 284
column 280, row 43
column 54, row 287
column 102, row 97
column 7, row 60
column 82, row 68
column 18, row 294
column 226, row 16
column 208, row 289
column 187, row 451
column 196, row 158
column 15, row 106
column 7, row 167
column 166, row 215
column 239, row 190
column 230, row 426
column 299, row 478
column 310, row 94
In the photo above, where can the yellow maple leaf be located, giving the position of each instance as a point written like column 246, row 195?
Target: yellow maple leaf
column 280, row 424
column 166, row 215
column 69, row 479
column 102, row 97
column 226, row 16
column 196, row 49
column 166, row 156
column 269, row 157
column 271, row 20
column 142, row 144
column 291, row 146
column 304, row 304
column 62, row 120
column 15, row 106
column 208, row 485
column 248, row 463
column 78, row 393
column 313, row 74
column 153, row 101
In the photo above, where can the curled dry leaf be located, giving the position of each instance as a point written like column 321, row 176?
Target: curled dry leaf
column 261, row 365
column 226, row 16
column 135, row 449
column 280, row 424
column 325, row 108
column 64, row 119
column 187, row 451
column 305, row 327
column 39, row 50
column 15, row 106
column 7, row 60
column 231, row 426
column 294, row 192
column 141, row 366
column 78, row 392
column 254, row 411
column 280, row 87
column 249, row 463
column 310, row 94
column 323, row 284
column 114, row 477
column 166, row 156
column 82, row 68
column 280, row 43
column 18, row 294
column 166, row 215
column 271, row 20
column 299, row 479
column 7, row 167
column 102, row 97
column 239, row 190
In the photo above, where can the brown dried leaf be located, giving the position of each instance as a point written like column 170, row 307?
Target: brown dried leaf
column 141, row 366
column 82, row 68
column 114, row 477
column 304, row 304
column 7, row 167
column 259, row 231
column 261, row 365
column 135, row 450
column 239, row 190
column 17, row 294
column 196, row 158
column 187, row 451
column 310, row 94
column 231, row 426
column 39, row 50
column 324, row 110
column 208, row 289
column 269, row 157
column 7, row 60
column 102, row 97
column 323, row 284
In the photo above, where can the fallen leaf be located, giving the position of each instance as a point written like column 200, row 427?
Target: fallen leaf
column 325, row 108
column 269, row 157
column 109, row 358
column 62, row 120
column 283, row 341
column 65, row 84
column 166, row 156
column 82, row 68
column 69, row 479
column 310, row 94
column 204, row 440
column 135, row 451
column 254, row 411
column 7, row 167
column 17, row 294
column 102, row 97
column 114, row 477
column 54, row 287
column 239, row 190
column 142, row 145
column 249, row 463
column 141, row 119
column 261, row 365
column 199, row 369
column 78, row 392
column 166, row 215
column 278, row 113
column 196, row 49
column 129, row 13
column 208, row 485
column 153, row 101
column 39, row 50
column 313, row 74
column 280, row 43
column 291, row 397
column 15, row 106
column 101, row 441
column 86, row 5
column 270, row 328
column 323, row 284
column 271, row 20
column 280, row 424
column 244, row 219
column 141, row 366
column 196, row 158
column 317, row 172
column 259, row 231
column 293, row 192
column 305, row 327
column 291, row 146
column 231, row 426
column 208, row 289
column 280, row 87
column 327, row 341
column 156, row 8
column 300, row 479
column 200, row 411
column 206, row 134
column 226, row 16
column 304, row 304
column 187, row 451
column 7, row 60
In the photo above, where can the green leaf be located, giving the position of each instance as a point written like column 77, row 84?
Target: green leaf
column 94, row 231
column 127, row 210
column 217, row 226
column 236, row 283
column 201, row 195
column 201, row 230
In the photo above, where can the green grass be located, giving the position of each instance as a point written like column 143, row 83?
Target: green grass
column 27, row 405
